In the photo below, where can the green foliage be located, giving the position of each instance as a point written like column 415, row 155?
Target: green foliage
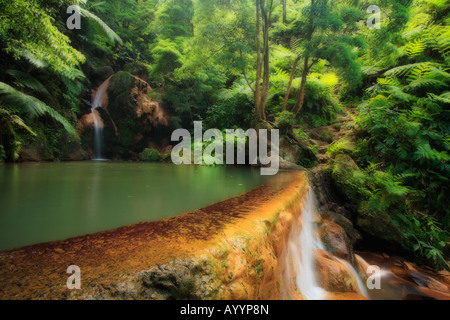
column 404, row 123
column 12, row 99
column 30, row 33
column 285, row 120
column 2, row 154
column 343, row 146
column 151, row 155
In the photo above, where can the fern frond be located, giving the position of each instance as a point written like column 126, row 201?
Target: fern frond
column 399, row 94
column 425, row 83
column 407, row 69
column 370, row 70
column 101, row 26
column 415, row 48
column 443, row 98
column 32, row 106
column 25, row 80
column 15, row 120
column 389, row 82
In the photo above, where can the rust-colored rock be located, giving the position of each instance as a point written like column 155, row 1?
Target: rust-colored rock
column 229, row 250
column 335, row 239
column 334, row 276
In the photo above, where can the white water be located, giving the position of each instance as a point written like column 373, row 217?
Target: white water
column 98, row 130
column 308, row 243
column 300, row 259
column 361, row 285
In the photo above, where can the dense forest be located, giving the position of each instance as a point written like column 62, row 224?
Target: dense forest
column 296, row 65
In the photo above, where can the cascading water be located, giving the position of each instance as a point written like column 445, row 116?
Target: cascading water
column 306, row 276
column 300, row 262
column 98, row 101
column 361, row 286
column 299, row 273
column 98, row 136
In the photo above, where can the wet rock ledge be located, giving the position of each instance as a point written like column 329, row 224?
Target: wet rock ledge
column 229, row 250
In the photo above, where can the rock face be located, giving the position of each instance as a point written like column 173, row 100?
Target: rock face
column 335, row 239
column 131, row 120
column 334, row 275
column 377, row 225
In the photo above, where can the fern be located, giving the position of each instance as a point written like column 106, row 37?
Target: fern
column 430, row 84
column 415, row 48
column 11, row 97
column 443, row 98
column 407, row 69
column 389, row 82
column 9, row 118
column 25, row 80
column 101, row 26
column 371, row 70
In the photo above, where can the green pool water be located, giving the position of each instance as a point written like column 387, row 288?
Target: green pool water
column 43, row 202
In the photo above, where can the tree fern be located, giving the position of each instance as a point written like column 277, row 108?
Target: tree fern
column 24, row 80
column 415, row 48
column 425, row 83
column 407, row 69
column 10, row 119
column 101, row 26
column 10, row 97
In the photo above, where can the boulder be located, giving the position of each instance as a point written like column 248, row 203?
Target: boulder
column 151, row 155
column 378, row 225
column 347, row 225
column 100, row 74
column 335, row 239
column 333, row 275
column 138, row 69
column 35, row 152
column 77, row 153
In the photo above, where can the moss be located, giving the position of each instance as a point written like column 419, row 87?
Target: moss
column 138, row 69
column 351, row 182
column 346, row 176
column 120, row 84
column 152, row 155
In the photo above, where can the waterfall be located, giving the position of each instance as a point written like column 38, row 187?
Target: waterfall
column 299, row 265
column 99, row 99
column 306, row 275
column 361, row 286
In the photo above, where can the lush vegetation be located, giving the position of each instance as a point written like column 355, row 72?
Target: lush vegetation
column 291, row 64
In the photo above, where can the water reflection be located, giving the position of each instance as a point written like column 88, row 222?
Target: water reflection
column 53, row 201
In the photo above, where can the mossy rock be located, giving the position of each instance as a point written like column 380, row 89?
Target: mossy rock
column 120, row 84
column 380, row 226
column 350, row 181
column 151, row 155
column 138, row 69
column 99, row 75
column 122, row 107
column 345, row 172
column 344, row 145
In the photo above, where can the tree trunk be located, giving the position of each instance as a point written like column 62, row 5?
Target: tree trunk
column 264, row 63
column 291, row 78
column 284, row 11
column 299, row 103
column 258, row 64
